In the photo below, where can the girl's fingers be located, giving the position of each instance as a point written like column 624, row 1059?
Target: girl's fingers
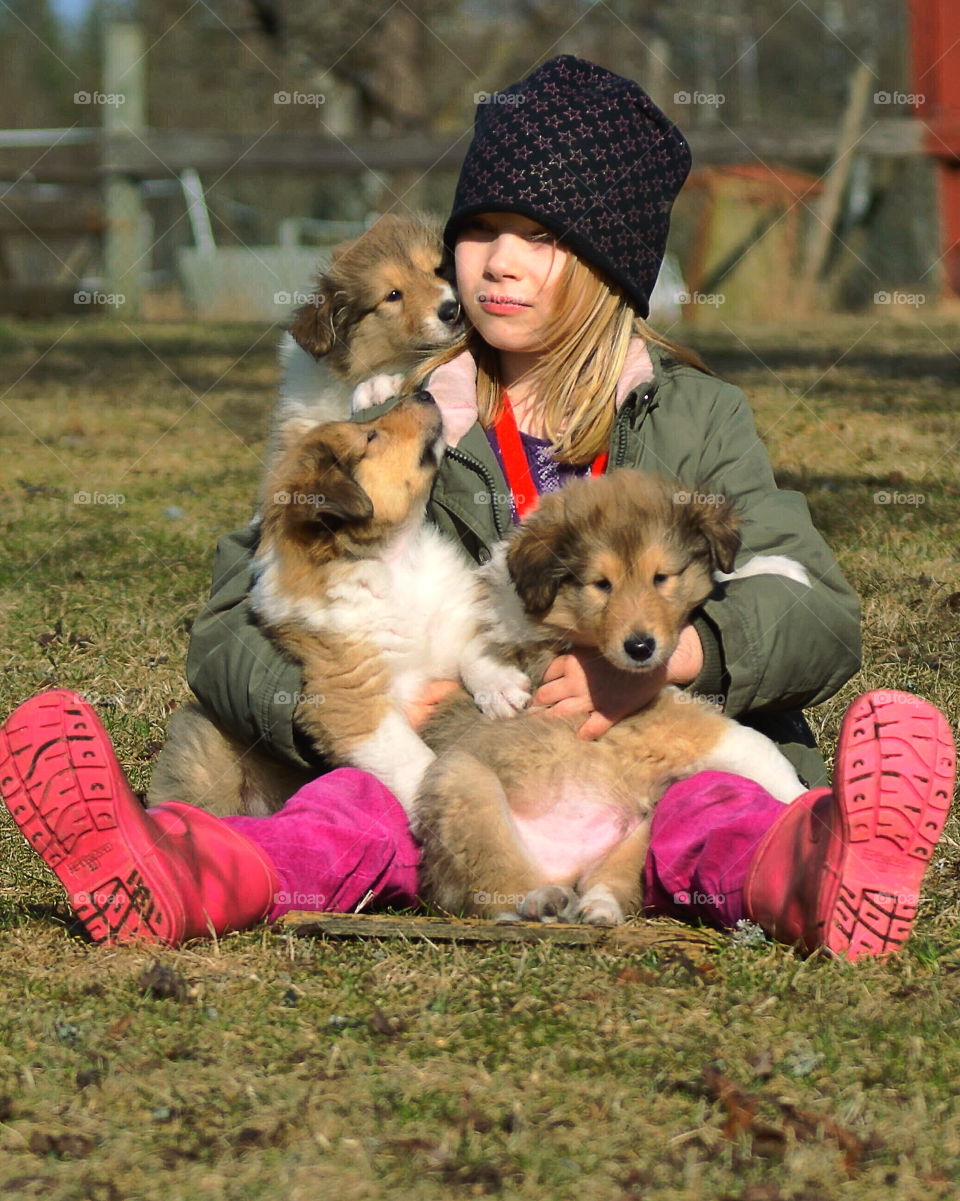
column 595, row 726
column 558, row 668
column 569, row 704
column 554, row 692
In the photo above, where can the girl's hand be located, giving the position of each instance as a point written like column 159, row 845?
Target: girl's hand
column 585, row 682
column 419, row 712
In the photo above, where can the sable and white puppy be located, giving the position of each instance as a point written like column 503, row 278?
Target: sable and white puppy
column 525, row 817
column 373, row 602
column 384, row 302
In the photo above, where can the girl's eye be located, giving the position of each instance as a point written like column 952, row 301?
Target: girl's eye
column 603, row 585
column 394, row 295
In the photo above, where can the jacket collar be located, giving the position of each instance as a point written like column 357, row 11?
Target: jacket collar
column 453, row 386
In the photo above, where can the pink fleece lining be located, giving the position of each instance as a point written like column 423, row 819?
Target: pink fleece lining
column 454, row 387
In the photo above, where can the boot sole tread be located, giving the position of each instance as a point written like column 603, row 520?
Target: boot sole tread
column 894, row 777
column 60, row 782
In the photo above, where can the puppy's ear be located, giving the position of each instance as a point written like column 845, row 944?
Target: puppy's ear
column 317, row 487
column 312, row 326
column 535, row 560
column 715, row 518
column 340, row 499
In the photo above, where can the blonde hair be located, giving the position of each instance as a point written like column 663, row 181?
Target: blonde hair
column 575, row 382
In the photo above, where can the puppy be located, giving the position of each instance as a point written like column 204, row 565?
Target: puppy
column 353, row 585
column 384, row 303
column 524, row 817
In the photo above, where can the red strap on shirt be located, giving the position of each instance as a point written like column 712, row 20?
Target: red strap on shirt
column 516, row 467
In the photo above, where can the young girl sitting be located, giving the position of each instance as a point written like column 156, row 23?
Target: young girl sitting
column 558, row 228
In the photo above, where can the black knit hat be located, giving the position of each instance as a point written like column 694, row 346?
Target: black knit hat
column 586, row 154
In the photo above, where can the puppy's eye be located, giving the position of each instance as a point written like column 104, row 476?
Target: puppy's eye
column 396, row 294
column 661, row 577
column 371, row 435
column 603, row 585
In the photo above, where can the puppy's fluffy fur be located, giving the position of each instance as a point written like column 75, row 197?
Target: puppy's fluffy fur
column 372, row 602
column 344, row 557
column 384, row 302
column 524, row 817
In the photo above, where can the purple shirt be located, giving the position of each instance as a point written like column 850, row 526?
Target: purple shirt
column 548, row 474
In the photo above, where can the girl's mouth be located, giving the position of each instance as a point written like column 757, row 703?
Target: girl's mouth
column 499, row 305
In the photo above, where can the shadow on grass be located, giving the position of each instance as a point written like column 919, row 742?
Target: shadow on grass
column 14, row 914
column 842, row 504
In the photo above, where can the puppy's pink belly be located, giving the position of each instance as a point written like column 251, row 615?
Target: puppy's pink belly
column 570, row 833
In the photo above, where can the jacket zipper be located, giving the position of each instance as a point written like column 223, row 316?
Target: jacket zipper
column 644, row 404
column 459, row 457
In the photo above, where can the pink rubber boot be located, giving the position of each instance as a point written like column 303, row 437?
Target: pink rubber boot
column 161, row 875
column 841, row 869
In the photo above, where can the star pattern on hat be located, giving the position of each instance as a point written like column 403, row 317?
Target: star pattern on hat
column 587, row 154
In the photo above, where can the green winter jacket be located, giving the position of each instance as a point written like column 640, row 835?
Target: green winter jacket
column 772, row 646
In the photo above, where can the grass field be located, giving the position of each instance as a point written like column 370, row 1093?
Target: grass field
column 270, row 1066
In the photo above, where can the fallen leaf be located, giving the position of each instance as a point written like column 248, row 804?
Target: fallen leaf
column 381, row 1024
column 162, row 983
column 120, row 1026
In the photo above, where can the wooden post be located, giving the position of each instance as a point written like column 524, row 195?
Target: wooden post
column 835, row 183
column 125, row 243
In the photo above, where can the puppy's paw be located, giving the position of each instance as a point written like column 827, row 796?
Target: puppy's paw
column 549, row 903
column 500, row 691
column 599, row 907
column 375, row 391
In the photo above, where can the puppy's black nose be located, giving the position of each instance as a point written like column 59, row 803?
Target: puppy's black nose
column 640, row 647
column 449, row 312
column 423, row 397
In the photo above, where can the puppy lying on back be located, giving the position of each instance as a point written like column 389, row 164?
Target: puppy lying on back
column 523, row 817
column 371, row 601
column 384, row 302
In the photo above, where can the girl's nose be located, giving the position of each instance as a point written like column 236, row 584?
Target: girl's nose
column 502, row 257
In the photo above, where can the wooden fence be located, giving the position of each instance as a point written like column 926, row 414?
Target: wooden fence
column 116, row 158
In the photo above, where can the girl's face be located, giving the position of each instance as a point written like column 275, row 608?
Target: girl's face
column 507, row 272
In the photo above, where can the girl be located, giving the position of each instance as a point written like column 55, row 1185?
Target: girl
column 558, row 229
